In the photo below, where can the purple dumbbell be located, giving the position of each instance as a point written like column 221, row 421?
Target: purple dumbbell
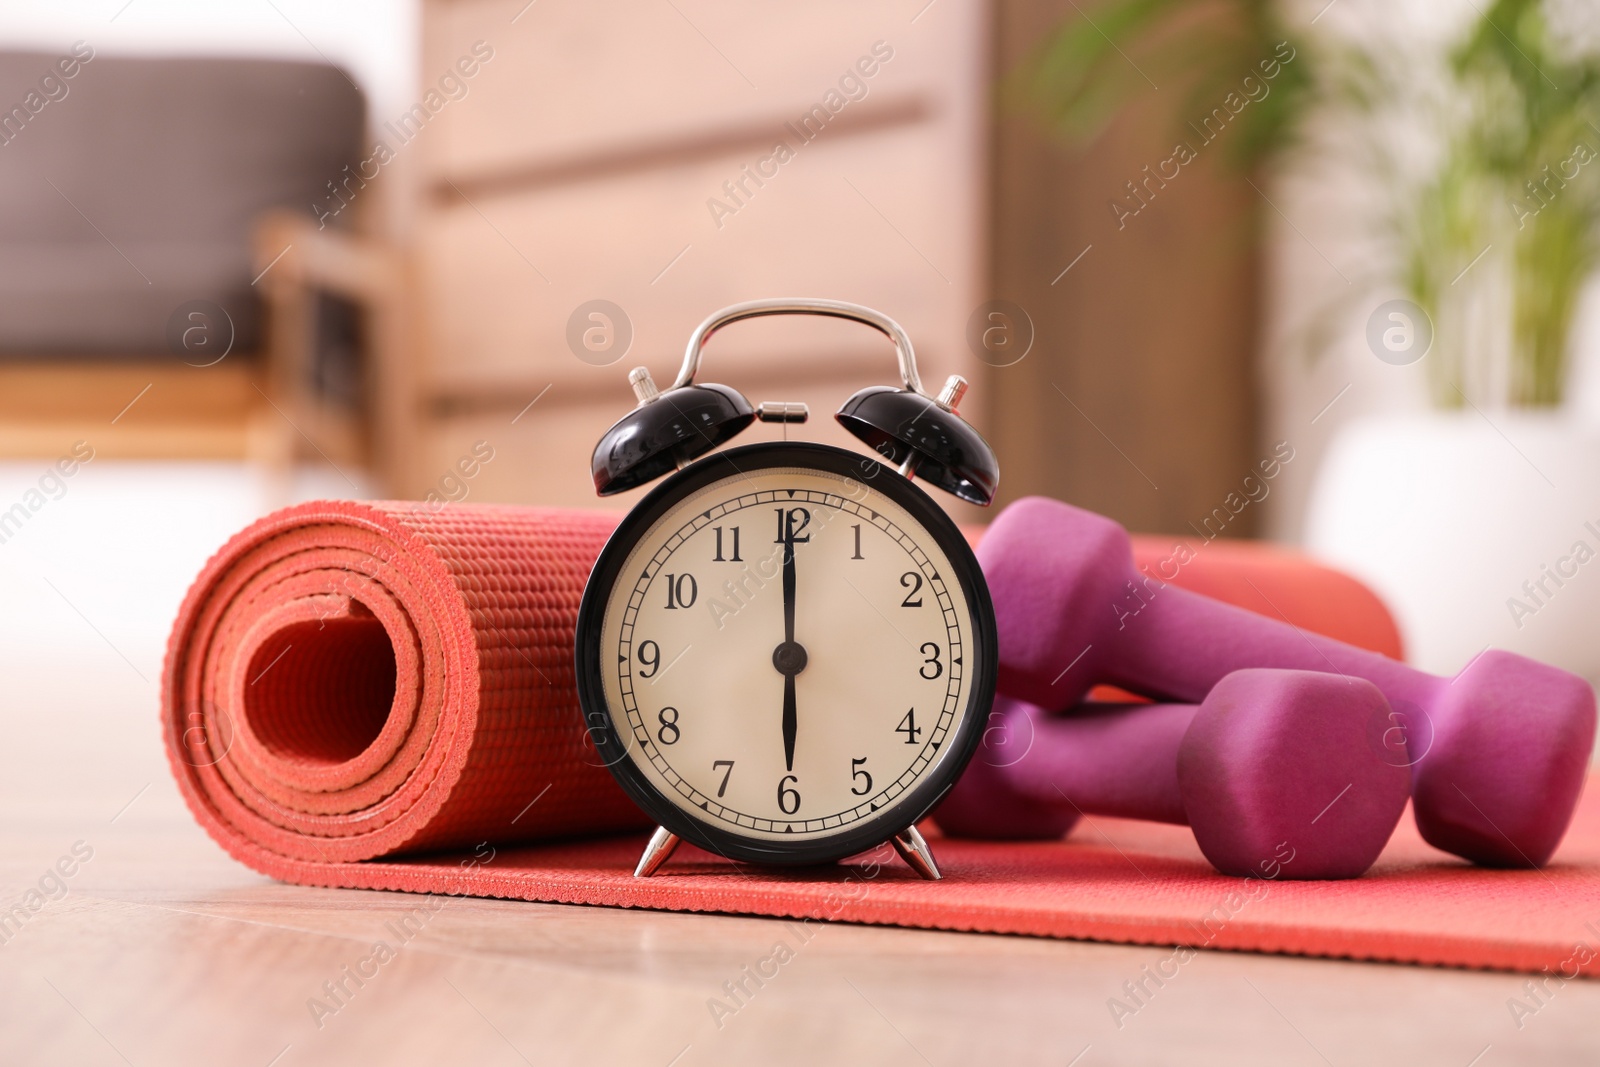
column 1271, row 771
column 1497, row 754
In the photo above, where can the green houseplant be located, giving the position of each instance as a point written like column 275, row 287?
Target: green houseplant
column 1081, row 74
column 1522, row 168
column 1516, row 179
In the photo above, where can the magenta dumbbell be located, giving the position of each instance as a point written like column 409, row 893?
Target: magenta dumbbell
column 1270, row 770
column 1497, row 754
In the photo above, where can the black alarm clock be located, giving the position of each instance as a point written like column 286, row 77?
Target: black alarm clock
column 786, row 651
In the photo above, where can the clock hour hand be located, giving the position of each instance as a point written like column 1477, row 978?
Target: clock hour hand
column 790, row 722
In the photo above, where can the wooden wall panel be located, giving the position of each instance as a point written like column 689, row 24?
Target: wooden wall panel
column 866, row 219
column 580, row 165
column 570, row 82
column 1151, row 334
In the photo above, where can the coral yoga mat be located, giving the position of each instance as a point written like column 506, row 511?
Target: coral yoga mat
column 380, row 696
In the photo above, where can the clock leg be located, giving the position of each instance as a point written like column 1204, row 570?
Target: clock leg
column 662, row 844
column 914, row 850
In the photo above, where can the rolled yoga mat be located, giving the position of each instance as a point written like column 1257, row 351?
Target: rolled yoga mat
column 350, row 680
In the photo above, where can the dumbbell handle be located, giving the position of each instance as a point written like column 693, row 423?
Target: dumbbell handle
column 1180, row 644
column 1106, row 759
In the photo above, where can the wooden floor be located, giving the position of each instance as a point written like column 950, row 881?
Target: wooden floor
column 163, row 951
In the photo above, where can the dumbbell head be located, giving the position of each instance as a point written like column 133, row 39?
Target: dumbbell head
column 1273, row 771
column 1278, row 780
column 1053, row 594
column 1505, row 727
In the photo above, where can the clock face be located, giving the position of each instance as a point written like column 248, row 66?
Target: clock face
column 788, row 653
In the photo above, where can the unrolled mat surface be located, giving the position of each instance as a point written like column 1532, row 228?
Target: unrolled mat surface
column 380, row 696
column 1110, row 880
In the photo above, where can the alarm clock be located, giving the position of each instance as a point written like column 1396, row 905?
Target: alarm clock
column 786, row 651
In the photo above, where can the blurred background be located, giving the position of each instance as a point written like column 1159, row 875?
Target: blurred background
column 1319, row 272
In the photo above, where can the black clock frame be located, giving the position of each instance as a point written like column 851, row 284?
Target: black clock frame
column 610, row 739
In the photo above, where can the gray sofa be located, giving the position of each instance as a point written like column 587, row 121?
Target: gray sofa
column 129, row 187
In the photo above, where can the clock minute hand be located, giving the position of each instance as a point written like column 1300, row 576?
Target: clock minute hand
column 788, row 587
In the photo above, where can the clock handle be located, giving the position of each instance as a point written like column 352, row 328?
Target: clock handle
column 918, row 433
column 837, row 309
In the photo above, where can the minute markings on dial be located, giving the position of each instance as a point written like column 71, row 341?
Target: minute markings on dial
column 944, row 715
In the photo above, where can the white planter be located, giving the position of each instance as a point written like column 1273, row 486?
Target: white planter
column 1477, row 532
